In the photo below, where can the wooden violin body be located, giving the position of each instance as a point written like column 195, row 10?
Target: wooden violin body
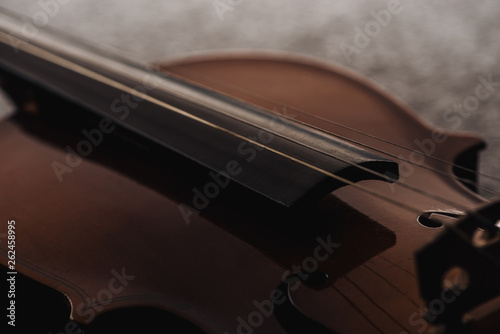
column 136, row 234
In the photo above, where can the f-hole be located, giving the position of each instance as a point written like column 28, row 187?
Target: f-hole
column 434, row 219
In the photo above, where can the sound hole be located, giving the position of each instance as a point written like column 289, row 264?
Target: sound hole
column 436, row 219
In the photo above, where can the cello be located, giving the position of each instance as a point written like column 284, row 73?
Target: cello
column 236, row 193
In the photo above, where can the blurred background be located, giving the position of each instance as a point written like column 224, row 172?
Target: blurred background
column 430, row 54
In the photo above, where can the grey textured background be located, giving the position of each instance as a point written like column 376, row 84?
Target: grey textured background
column 429, row 55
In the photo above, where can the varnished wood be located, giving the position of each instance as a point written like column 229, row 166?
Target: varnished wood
column 119, row 210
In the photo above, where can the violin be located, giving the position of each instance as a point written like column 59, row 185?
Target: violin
column 232, row 193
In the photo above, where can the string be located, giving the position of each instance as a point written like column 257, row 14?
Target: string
column 448, row 175
column 356, row 307
column 74, row 67
column 374, row 302
column 385, row 279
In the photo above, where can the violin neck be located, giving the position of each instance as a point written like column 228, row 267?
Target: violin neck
column 207, row 127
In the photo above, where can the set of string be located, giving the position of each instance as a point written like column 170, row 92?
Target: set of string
column 77, row 68
column 470, row 182
column 490, row 225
